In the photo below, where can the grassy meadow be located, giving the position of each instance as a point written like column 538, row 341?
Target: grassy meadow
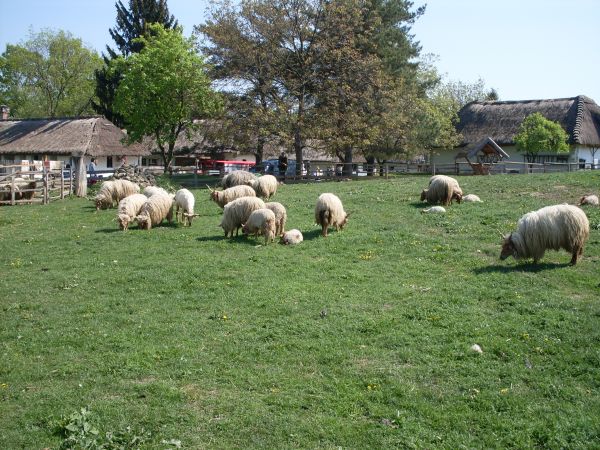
column 178, row 337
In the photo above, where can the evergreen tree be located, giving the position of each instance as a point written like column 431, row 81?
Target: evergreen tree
column 132, row 23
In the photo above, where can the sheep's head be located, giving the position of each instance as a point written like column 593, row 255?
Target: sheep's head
column 214, row 196
column 424, row 195
column 144, row 222
column 457, row 196
column 189, row 217
column 123, row 220
column 345, row 221
column 508, row 248
column 245, row 229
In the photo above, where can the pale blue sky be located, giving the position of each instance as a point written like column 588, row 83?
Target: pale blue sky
column 525, row 49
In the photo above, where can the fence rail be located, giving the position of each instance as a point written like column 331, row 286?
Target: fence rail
column 18, row 186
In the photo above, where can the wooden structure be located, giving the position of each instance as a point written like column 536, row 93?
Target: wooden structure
column 483, row 155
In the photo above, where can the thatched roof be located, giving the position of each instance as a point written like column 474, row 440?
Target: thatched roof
column 94, row 136
column 579, row 116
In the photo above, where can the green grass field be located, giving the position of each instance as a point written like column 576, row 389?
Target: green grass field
column 178, row 336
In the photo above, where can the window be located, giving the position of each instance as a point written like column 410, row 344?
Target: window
column 109, row 161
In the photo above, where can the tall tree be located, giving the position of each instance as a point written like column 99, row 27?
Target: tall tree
column 164, row 88
column 49, row 75
column 538, row 134
column 132, row 22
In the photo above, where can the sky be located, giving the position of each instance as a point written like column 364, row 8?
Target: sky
column 525, row 49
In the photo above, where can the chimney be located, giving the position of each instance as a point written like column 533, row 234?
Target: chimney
column 5, row 112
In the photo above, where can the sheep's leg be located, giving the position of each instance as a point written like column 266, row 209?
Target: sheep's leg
column 324, row 230
column 575, row 255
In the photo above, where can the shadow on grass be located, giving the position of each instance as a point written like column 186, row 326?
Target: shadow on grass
column 111, row 230
column 419, row 205
column 526, row 267
column 312, row 234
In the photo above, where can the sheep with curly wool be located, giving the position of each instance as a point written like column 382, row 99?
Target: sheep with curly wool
column 113, row 191
column 329, row 211
column 292, row 237
column 553, row 227
column 128, row 208
column 471, row 198
column 434, row 210
column 265, row 186
column 589, row 199
column 261, row 221
column 280, row 216
column 154, row 210
column 225, row 196
column 442, row 189
column 149, row 191
column 236, row 178
column 185, row 201
column 236, row 213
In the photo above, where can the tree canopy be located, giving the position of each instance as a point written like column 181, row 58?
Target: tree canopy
column 49, row 75
column 538, row 134
column 164, row 88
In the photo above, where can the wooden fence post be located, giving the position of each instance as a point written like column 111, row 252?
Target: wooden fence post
column 46, row 194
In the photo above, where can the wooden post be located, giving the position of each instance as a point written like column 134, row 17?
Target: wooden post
column 62, row 183
column 46, row 199
column 80, row 177
column 12, row 191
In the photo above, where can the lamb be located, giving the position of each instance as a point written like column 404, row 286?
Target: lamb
column 589, row 199
column 128, row 208
column 261, row 221
column 236, row 212
column 225, row 196
column 553, row 227
column 265, row 186
column 434, row 210
column 280, row 216
column 292, row 237
column 154, row 210
column 471, row 198
column 442, row 189
column 236, row 178
column 113, row 191
column 185, row 200
column 329, row 211
column 149, row 191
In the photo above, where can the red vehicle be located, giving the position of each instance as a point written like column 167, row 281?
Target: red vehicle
column 220, row 166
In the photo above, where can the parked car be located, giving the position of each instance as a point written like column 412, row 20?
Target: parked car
column 271, row 167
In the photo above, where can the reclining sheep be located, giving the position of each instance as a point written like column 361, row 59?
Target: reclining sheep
column 225, row 196
column 128, row 208
column 113, row 191
column 261, row 221
column 442, row 189
column 589, row 199
column 329, row 211
column 185, row 200
column 292, row 237
column 280, row 216
column 149, row 191
column 236, row 178
column 154, row 210
column 237, row 212
column 553, row 227
column 471, row 198
column 265, row 186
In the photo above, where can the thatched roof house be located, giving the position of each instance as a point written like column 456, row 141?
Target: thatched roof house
column 579, row 116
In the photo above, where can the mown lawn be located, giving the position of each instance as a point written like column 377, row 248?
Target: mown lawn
column 178, row 336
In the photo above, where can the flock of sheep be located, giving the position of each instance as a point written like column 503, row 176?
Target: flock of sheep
column 243, row 202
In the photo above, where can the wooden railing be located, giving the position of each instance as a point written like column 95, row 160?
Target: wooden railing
column 18, row 186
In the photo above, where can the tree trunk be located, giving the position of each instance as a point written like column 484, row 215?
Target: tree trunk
column 370, row 165
column 80, row 177
column 298, row 151
column 260, row 149
column 347, row 169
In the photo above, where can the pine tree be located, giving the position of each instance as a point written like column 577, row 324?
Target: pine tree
column 132, row 23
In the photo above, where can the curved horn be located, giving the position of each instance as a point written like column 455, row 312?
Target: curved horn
column 209, row 188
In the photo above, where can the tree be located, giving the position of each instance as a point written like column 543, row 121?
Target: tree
column 49, row 75
column 538, row 134
column 132, row 23
column 163, row 89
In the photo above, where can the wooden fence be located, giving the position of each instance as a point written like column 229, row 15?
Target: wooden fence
column 34, row 185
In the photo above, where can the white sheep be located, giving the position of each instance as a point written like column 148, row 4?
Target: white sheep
column 128, row 208
column 442, row 189
column 261, row 221
column 292, row 237
column 553, row 227
column 236, row 212
column 185, row 200
column 280, row 216
column 589, row 199
column 113, row 191
column 149, row 191
column 329, row 211
column 434, row 210
column 154, row 210
column 225, row 196
column 236, row 178
column 471, row 198
column 265, row 186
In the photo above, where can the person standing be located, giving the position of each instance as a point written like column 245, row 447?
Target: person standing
column 282, row 164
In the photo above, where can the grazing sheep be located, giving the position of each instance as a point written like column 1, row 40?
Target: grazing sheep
column 553, row 227
column 225, row 196
column 589, row 199
column 442, row 189
column 329, row 211
column 265, row 186
column 185, row 200
column 154, row 210
column 292, row 237
column 236, row 212
column 471, row 198
column 434, row 210
column 128, row 208
column 149, row 191
column 113, row 191
column 236, row 178
column 280, row 216
column 261, row 221
column 24, row 190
